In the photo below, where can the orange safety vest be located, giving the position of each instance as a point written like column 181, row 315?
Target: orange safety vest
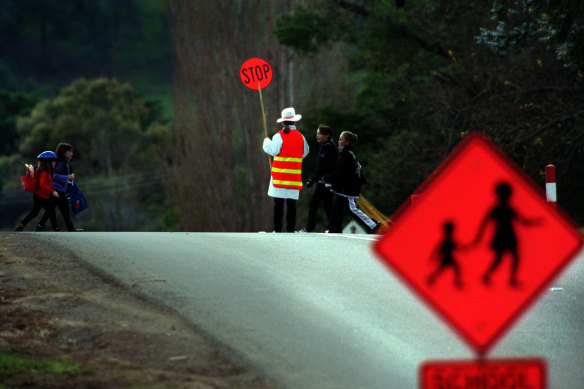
column 287, row 166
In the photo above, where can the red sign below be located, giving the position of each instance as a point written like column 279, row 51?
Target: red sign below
column 487, row 374
column 481, row 243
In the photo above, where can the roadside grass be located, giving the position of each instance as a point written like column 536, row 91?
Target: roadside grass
column 13, row 364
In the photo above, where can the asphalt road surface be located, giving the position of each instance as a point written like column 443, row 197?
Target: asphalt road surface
column 320, row 310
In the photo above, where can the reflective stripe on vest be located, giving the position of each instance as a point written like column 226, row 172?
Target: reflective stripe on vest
column 287, row 166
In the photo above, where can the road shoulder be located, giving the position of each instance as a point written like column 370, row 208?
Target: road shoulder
column 55, row 307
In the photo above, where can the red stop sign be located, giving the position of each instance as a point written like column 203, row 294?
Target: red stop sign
column 256, row 73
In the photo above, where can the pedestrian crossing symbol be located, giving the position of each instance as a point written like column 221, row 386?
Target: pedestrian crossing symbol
column 481, row 243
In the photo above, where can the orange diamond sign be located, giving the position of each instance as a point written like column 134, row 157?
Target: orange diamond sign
column 481, row 243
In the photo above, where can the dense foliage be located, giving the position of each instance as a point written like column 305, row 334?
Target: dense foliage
column 12, row 106
column 45, row 42
column 53, row 60
column 434, row 70
column 117, row 150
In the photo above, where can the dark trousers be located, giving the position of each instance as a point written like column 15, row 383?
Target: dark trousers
column 63, row 205
column 321, row 193
column 37, row 203
column 279, row 214
column 338, row 213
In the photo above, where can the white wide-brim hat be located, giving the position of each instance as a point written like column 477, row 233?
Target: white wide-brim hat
column 289, row 115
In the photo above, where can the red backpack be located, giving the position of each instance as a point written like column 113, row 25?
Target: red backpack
column 30, row 181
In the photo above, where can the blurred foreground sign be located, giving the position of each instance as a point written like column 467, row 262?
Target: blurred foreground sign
column 492, row 374
column 481, row 243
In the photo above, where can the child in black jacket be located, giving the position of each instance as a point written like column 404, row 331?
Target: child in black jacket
column 346, row 182
column 325, row 165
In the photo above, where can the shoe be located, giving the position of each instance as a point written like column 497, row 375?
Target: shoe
column 304, row 230
column 19, row 227
column 39, row 228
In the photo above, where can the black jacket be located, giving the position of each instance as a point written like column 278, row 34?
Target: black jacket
column 347, row 177
column 326, row 162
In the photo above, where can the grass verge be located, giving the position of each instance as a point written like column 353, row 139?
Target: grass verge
column 12, row 364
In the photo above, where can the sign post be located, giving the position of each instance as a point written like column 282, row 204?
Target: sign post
column 255, row 73
column 481, row 244
column 263, row 112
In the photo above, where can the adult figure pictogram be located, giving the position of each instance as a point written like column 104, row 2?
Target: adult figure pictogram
column 444, row 253
column 504, row 238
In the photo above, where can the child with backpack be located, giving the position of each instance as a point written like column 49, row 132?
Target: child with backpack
column 346, row 182
column 62, row 177
column 43, row 191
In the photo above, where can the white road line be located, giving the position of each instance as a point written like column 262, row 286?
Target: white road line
column 356, row 236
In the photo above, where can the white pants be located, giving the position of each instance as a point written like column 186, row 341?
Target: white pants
column 360, row 214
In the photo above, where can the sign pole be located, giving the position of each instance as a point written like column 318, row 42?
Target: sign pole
column 264, row 118
column 263, row 112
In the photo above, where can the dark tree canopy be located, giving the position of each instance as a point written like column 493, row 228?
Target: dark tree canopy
column 432, row 71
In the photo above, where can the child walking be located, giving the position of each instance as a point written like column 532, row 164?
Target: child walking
column 41, row 197
column 444, row 253
column 325, row 165
column 346, row 182
column 62, row 177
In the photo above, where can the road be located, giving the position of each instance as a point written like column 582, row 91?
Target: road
column 319, row 310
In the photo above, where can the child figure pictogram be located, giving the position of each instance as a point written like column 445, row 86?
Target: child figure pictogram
column 504, row 238
column 444, row 253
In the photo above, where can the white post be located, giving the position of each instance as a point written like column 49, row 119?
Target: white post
column 550, row 185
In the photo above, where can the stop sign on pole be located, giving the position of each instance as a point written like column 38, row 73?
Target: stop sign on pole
column 481, row 243
column 256, row 73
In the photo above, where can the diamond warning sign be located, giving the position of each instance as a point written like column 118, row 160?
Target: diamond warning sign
column 481, row 243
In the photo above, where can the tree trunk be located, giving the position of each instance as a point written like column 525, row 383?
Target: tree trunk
column 223, row 172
